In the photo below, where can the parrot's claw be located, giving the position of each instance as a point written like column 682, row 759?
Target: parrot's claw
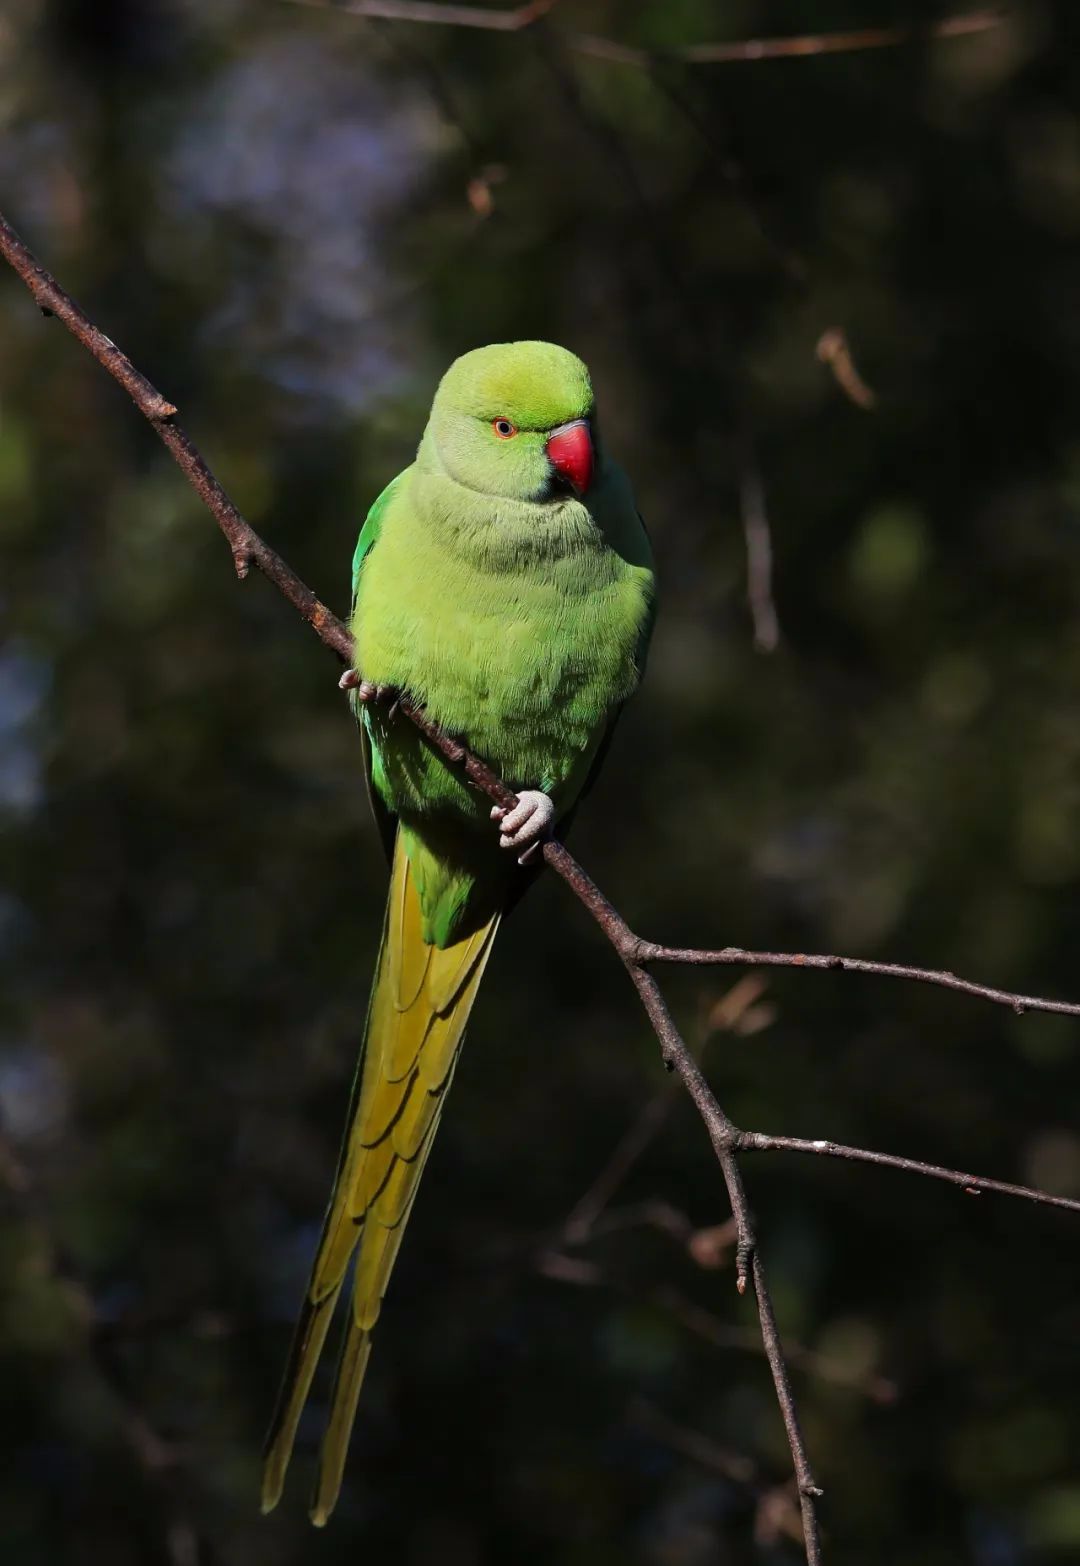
column 527, row 826
column 353, row 680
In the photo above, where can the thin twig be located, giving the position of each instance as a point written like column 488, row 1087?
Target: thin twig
column 739, row 51
column 834, row 350
column 740, row 956
column 249, row 549
column 584, row 1215
column 759, row 592
column 879, row 1389
column 725, row 1015
column 800, row 46
column 433, row 13
column 974, row 1185
column 584, row 1272
column 776, row 1512
column 699, row 114
column 731, row 1465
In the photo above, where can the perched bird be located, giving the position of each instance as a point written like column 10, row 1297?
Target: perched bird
column 505, row 582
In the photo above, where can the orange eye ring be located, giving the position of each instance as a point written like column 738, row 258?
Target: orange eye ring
column 504, row 429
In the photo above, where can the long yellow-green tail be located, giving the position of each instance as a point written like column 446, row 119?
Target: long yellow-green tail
column 420, row 1003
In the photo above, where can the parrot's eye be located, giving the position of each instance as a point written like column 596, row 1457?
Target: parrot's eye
column 503, row 428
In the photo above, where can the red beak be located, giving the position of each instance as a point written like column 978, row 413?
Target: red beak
column 570, row 448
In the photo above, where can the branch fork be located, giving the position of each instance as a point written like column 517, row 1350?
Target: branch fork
column 637, row 955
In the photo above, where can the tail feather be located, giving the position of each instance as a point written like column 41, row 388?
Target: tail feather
column 419, row 1006
column 348, row 1379
column 307, row 1345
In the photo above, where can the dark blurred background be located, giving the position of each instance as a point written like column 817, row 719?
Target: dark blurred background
column 293, row 220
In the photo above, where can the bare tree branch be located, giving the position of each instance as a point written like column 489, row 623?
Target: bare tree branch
column 833, row 349
column 739, row 51
column 801, row 46
column 879, row 1389
column 248, row 549
column 739, row 956
column 432, row 13
column 776, row 1512
column 586, row 1273
column 587, row 1210
column 974, row 1185
column 736, row 1011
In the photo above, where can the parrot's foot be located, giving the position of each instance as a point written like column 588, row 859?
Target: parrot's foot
column 527, row 825
column 353, row 680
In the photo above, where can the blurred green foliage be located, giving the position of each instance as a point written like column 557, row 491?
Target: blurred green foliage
column 292, row 220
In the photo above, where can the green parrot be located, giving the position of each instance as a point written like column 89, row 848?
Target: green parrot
column 505, row 582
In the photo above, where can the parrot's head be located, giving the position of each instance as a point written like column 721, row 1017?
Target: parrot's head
column 515, row 420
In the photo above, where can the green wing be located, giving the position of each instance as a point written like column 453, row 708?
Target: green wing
column 385, row 820
column 370, row 532
column 642, row 657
